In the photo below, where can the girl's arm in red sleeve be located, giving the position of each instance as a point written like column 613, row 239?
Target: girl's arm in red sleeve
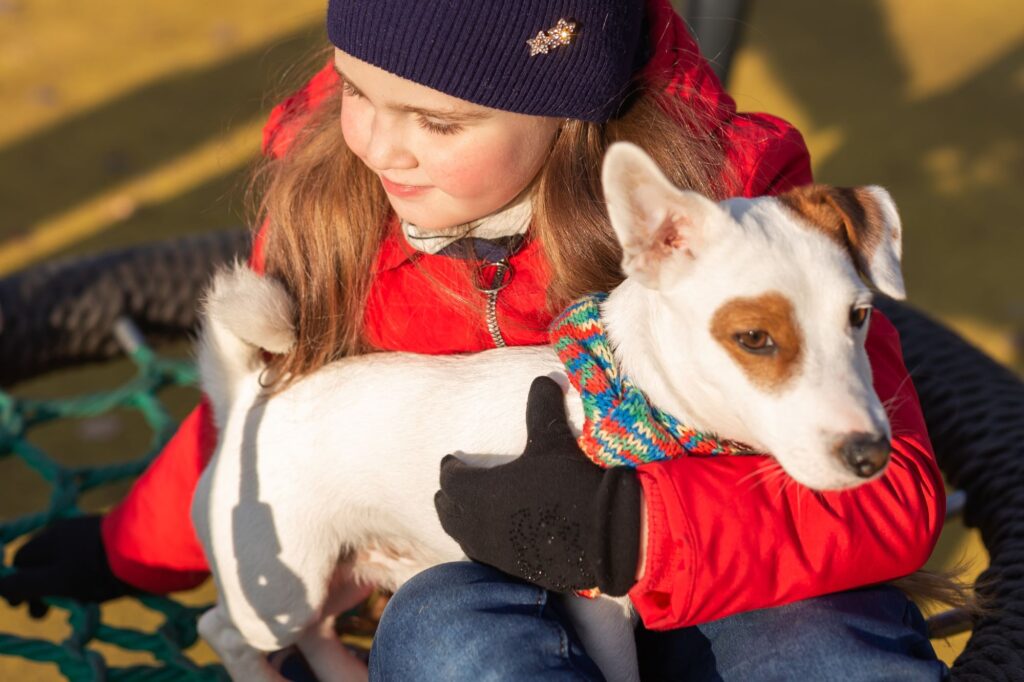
column 148, row 536
column 763, row 154
column 723, row 540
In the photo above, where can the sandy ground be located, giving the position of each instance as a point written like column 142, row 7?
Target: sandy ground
column 128, row 122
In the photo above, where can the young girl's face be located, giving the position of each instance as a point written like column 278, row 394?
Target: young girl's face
column 443, row 161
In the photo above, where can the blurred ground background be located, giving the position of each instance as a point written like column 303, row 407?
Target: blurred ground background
column 127, row 122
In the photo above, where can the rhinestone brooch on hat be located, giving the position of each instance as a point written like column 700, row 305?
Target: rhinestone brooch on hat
column 545, row 41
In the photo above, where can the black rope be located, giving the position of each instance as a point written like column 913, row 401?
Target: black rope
column 974, row 408
column 62, row 313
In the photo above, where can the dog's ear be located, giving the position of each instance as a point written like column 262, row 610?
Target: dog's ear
column 661, row 228
column 864, row 221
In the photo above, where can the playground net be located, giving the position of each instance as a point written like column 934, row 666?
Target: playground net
column 177, row 631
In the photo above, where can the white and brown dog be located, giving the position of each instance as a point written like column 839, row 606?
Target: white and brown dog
column 745, row 318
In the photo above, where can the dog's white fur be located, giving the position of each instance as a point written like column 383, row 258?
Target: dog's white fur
column 328, row 486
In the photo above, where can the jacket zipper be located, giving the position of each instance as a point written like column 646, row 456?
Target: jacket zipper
column 503, row 273
column 492, row 319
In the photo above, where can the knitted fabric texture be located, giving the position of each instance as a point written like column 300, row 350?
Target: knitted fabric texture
column 620, row 427
column 478, row 50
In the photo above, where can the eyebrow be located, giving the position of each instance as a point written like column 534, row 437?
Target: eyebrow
column 447, row 114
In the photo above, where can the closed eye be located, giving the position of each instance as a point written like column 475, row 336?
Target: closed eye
column 349, row 90
column 427, row 124
column 438, row 128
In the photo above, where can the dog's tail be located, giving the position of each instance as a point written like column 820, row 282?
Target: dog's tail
column 243, row 315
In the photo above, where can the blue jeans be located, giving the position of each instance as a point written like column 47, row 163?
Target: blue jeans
column 465, row 621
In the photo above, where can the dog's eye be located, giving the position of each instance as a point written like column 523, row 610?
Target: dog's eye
column 755, row 341
column 858, row 316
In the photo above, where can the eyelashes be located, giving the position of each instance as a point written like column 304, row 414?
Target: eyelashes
column 348, row 90
column 422, row 121
column 438, row 128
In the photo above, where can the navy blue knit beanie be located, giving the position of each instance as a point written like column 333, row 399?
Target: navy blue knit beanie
column 562, row 58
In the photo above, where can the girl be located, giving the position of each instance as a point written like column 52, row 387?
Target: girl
column 436, row 189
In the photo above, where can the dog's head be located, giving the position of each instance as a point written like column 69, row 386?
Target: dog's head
column 761, row 307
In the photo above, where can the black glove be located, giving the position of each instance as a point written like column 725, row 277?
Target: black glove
column 65, row 559
column 551, row 516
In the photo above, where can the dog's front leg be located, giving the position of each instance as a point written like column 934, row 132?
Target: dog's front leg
column 324, row 652
column 243, row 662
column 328, row 657
column 605, row 627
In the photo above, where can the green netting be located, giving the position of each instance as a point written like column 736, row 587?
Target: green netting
column 178, row 629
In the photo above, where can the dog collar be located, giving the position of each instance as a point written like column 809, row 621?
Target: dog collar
column 620, row 428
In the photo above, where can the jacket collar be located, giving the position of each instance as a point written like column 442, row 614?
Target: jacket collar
column 510, row 221
column 490, row 238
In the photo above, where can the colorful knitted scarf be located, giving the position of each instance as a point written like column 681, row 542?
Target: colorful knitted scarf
column 620, row 427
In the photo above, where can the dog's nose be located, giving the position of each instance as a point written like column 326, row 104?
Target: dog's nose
column 865, row 454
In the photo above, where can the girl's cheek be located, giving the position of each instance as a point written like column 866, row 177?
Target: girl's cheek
column 354, row 127
column 467, row 179
column 477, row 168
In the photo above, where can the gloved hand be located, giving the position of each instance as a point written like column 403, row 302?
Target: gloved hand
column 551, row 516
column 65, row 559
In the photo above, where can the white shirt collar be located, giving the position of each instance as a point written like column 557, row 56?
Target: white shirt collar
column 513, row 219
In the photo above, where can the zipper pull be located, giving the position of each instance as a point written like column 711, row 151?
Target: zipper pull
column 501, row 278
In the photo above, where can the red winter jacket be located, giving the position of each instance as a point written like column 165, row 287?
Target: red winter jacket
column 719, row 541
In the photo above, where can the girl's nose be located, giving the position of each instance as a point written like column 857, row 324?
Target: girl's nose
column 386, row 149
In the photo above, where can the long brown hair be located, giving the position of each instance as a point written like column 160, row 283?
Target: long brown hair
column 328, row 215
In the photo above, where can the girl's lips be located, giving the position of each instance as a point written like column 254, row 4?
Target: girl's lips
column 395, row 189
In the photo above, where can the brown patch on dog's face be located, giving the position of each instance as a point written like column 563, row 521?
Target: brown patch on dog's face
column 848, row 215
column 739, row 325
